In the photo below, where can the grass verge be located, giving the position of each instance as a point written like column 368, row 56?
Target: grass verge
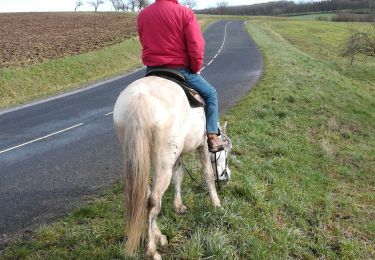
column 302, row 165
column 314, row 17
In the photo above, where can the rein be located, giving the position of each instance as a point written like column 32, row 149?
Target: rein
column 217, row 170
column 223, row 173
column 217, row 174
column 187, row 170
column 226, row 162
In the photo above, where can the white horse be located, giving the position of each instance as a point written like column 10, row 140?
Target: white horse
column 156, row 125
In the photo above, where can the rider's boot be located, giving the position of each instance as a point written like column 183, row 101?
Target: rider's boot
column 215, row 144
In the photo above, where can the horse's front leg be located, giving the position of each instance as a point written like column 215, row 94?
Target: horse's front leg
column 204, row 156
column 178, row 174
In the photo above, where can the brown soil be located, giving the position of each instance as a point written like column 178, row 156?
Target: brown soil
column 27, row 38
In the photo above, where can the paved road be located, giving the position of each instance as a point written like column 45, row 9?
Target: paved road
column 56, row 152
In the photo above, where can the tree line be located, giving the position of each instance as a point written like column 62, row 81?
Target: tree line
column 118, row 5
column 128, row 5
column 290, row 7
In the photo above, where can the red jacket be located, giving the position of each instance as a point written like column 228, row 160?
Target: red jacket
column 170, row 36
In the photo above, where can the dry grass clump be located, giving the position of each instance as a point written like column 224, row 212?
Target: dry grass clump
column 352, row 17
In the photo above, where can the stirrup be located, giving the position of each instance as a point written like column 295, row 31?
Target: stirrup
column 213, row 147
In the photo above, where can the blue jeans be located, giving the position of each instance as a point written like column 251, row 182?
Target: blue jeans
column 208, row 92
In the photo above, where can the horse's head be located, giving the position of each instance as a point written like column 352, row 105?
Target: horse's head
column 219, row 160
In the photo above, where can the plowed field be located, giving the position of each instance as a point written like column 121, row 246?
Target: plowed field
column 27, row 38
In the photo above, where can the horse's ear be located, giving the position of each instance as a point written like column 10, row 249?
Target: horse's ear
column 225, row 127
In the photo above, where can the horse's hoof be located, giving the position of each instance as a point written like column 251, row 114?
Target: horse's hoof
column 181, row 209
column 157, row 256
column 217, row 205
column 163, row 241
column 151, row 251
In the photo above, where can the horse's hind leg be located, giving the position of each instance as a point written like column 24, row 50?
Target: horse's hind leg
column 161, row 182
column 204, row 156
column 178, row 174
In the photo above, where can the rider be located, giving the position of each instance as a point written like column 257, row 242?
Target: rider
column 171, row 37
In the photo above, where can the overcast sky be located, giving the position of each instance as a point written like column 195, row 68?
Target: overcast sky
column 68, row 5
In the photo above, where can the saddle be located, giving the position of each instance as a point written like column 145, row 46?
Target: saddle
column 192, row 95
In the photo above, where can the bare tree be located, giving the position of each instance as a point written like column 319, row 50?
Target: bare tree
column 142, row 4
column 78, row 4
column 189, row 3
column 221, row 6
column 122, row 6
column 361, row 42
column 118, row 5
column 131, row 5
column 114, row 3
column 96, row 4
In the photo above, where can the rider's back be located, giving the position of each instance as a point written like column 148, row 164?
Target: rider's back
column 170, row 36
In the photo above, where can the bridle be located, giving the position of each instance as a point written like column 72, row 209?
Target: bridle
column 224, row 172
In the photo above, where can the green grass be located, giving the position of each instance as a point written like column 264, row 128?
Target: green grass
column 205, row 21
column 313, row 17
column 303, row 168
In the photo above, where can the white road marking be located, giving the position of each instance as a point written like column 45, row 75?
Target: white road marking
column 222, row 45
column 41, row 138
column 110, row 113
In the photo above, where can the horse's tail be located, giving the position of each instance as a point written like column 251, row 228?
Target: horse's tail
column 136, row 151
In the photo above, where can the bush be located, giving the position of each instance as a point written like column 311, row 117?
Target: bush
column 351, row 17
column 322, row 18
column 360, row 42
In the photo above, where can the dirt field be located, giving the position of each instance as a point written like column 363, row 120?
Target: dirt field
column 27, row 38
